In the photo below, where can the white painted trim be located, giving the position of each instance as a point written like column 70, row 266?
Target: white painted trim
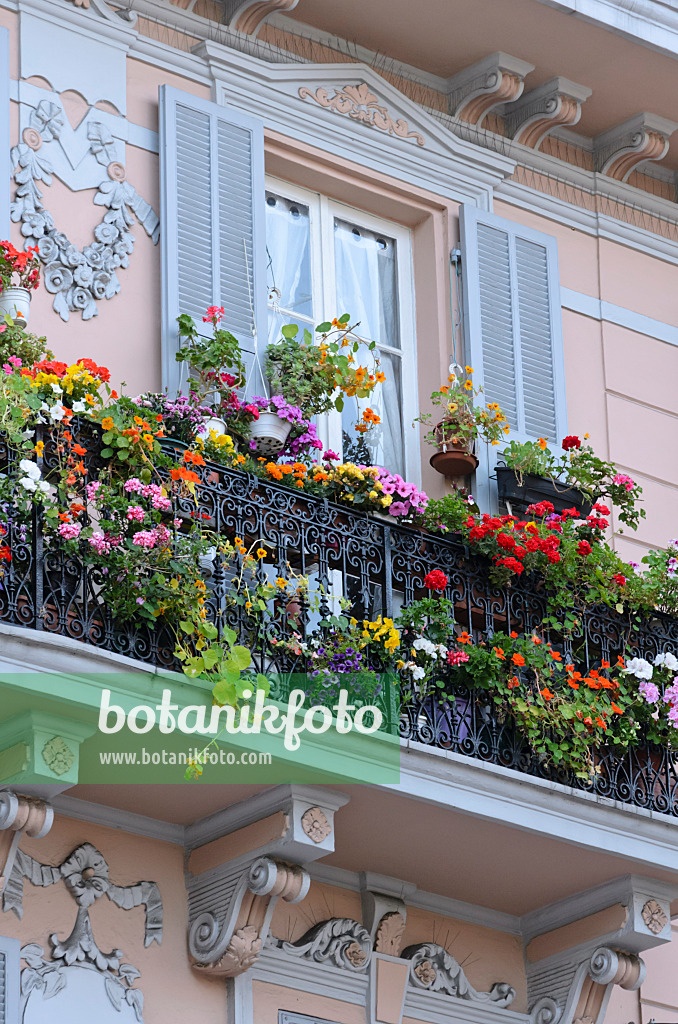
column 442, row 1009
column 651, row 23
column 115, row 818
column 278, row 968
column 600, row 309
column 537, row 806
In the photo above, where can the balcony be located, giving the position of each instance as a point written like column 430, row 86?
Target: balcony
column 381, row 566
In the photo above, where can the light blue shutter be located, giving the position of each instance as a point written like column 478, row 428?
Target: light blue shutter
column 512, row 319
column 5, row 168
column 213, row 221
column 9, row 981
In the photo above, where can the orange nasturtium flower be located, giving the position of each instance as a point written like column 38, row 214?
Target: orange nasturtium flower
column 542, row 442
column 464, row 638
column 546, row 693
column 107, row 423
column 518, row 659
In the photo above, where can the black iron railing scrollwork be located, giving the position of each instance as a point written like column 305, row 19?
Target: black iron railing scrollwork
column 381, row 566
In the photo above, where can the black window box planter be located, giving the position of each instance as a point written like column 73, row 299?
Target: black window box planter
column 534, row 489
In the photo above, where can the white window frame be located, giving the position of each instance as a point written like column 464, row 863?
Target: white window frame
column 10, row 949
column 322, row 212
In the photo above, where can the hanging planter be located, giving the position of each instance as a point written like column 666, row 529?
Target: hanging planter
column 455, row 455
column 269, row 434
column 215, row 423
column 522, row 489
column 16, row 303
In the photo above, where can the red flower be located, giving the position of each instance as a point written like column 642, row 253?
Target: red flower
column 213, row 315
column 504, row 540
column 602, row 509
column 618, row 578
column 584, row 548
column 436, row 580
column 542, row 508
column 511, row 563
column 571, row 441
column 5, row 553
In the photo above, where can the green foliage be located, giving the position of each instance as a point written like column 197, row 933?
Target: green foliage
column 16, row 341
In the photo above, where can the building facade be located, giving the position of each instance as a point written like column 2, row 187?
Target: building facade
column 482, row 182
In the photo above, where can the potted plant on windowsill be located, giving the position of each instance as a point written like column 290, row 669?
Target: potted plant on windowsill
column 461, row 424
column 19, row 276
column 576, row 479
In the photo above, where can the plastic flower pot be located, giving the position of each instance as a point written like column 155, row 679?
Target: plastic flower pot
column 15, row 302
column 519, row 492
column 215, row 423
column 455, row 455
column 269, row 433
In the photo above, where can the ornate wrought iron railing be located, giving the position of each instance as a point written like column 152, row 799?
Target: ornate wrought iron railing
column 380, row 565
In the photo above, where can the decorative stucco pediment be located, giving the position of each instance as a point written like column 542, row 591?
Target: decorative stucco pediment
column 350, row 109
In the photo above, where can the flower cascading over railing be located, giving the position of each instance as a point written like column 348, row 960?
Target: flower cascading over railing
column 78, row 279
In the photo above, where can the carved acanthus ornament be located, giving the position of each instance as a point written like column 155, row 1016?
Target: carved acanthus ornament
column 362, row 105
column 226, row 944
column 554, row 104
column 619, row 151
column 389, row 936
column 434, row 969
column 19, row 815
column 339, row 941
column 489, row 83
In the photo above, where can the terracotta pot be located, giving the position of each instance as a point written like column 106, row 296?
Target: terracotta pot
column 455, row 455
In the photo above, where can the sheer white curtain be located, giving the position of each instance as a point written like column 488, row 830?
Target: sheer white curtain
column 365, row 267
column 288, row 246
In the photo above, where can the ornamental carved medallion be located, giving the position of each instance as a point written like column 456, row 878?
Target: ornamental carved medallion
column 362, row 105
column 58, row 756
column 654, row 917
column 315, row 824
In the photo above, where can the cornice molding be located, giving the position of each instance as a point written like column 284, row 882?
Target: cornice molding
column 554, row 104
column 488, row 83
column 249, row 15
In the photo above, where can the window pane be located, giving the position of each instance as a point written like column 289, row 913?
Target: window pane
column 384, row 443
column 367, row 282
column 288, row 255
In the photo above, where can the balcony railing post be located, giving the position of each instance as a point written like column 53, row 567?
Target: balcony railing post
column 387, row 596
column 38, row 546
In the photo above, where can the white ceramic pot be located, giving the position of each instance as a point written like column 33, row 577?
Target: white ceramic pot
column 269, row 433
column 17, row 303
column 214, row 423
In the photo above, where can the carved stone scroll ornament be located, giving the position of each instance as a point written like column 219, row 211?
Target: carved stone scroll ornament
column 362, row 105
column 228, row 943
column 487, row 84
column 554, row 104
column 587, row 993
column 78, row 279
column 340, row 942
column 86, row 876
column 248, row 15
column 434, row 969
column 620, row 151
column 19, row 815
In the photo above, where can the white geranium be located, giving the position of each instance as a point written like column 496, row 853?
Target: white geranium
column 32, row 478
column 668, row 660
column 57, row 412
column 639, row 668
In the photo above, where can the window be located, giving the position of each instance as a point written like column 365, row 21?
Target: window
column 324, row 259
column 513, row 331
column 9, row 981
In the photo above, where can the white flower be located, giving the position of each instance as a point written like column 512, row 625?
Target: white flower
column 79, row 407
column 30, row 469
column 57, row 412
column 43, row 486
column 27, row 483
column 56, row 389
column 668, row 660
column 422, row 644
column 639, row 668
column 418, row 672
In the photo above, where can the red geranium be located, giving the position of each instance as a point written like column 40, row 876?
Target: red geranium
column 584, row 548
column 436, row 580
column 571, row 441
column 618, row 578
column 511, row 563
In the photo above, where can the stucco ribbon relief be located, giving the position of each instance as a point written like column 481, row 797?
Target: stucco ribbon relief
column 78, row 279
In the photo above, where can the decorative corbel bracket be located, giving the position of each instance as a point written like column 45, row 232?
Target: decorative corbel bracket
column 478, row 89
column 554, row 104
column 619, row 151
column 248, row 15
column 38, row 748
column 19, row 815
column 235, row 879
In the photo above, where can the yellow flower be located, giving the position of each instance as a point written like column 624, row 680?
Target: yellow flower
column 400, row 663
column 469, row 369
column 248, row 605
column 261, row 552
column 452, row 406
column 281, row 583
column 39, row 448
column 468, row 386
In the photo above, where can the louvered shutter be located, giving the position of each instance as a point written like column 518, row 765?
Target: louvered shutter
column 212, row 221
column 9, row 981
column 512, row 319
column 5, row 169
